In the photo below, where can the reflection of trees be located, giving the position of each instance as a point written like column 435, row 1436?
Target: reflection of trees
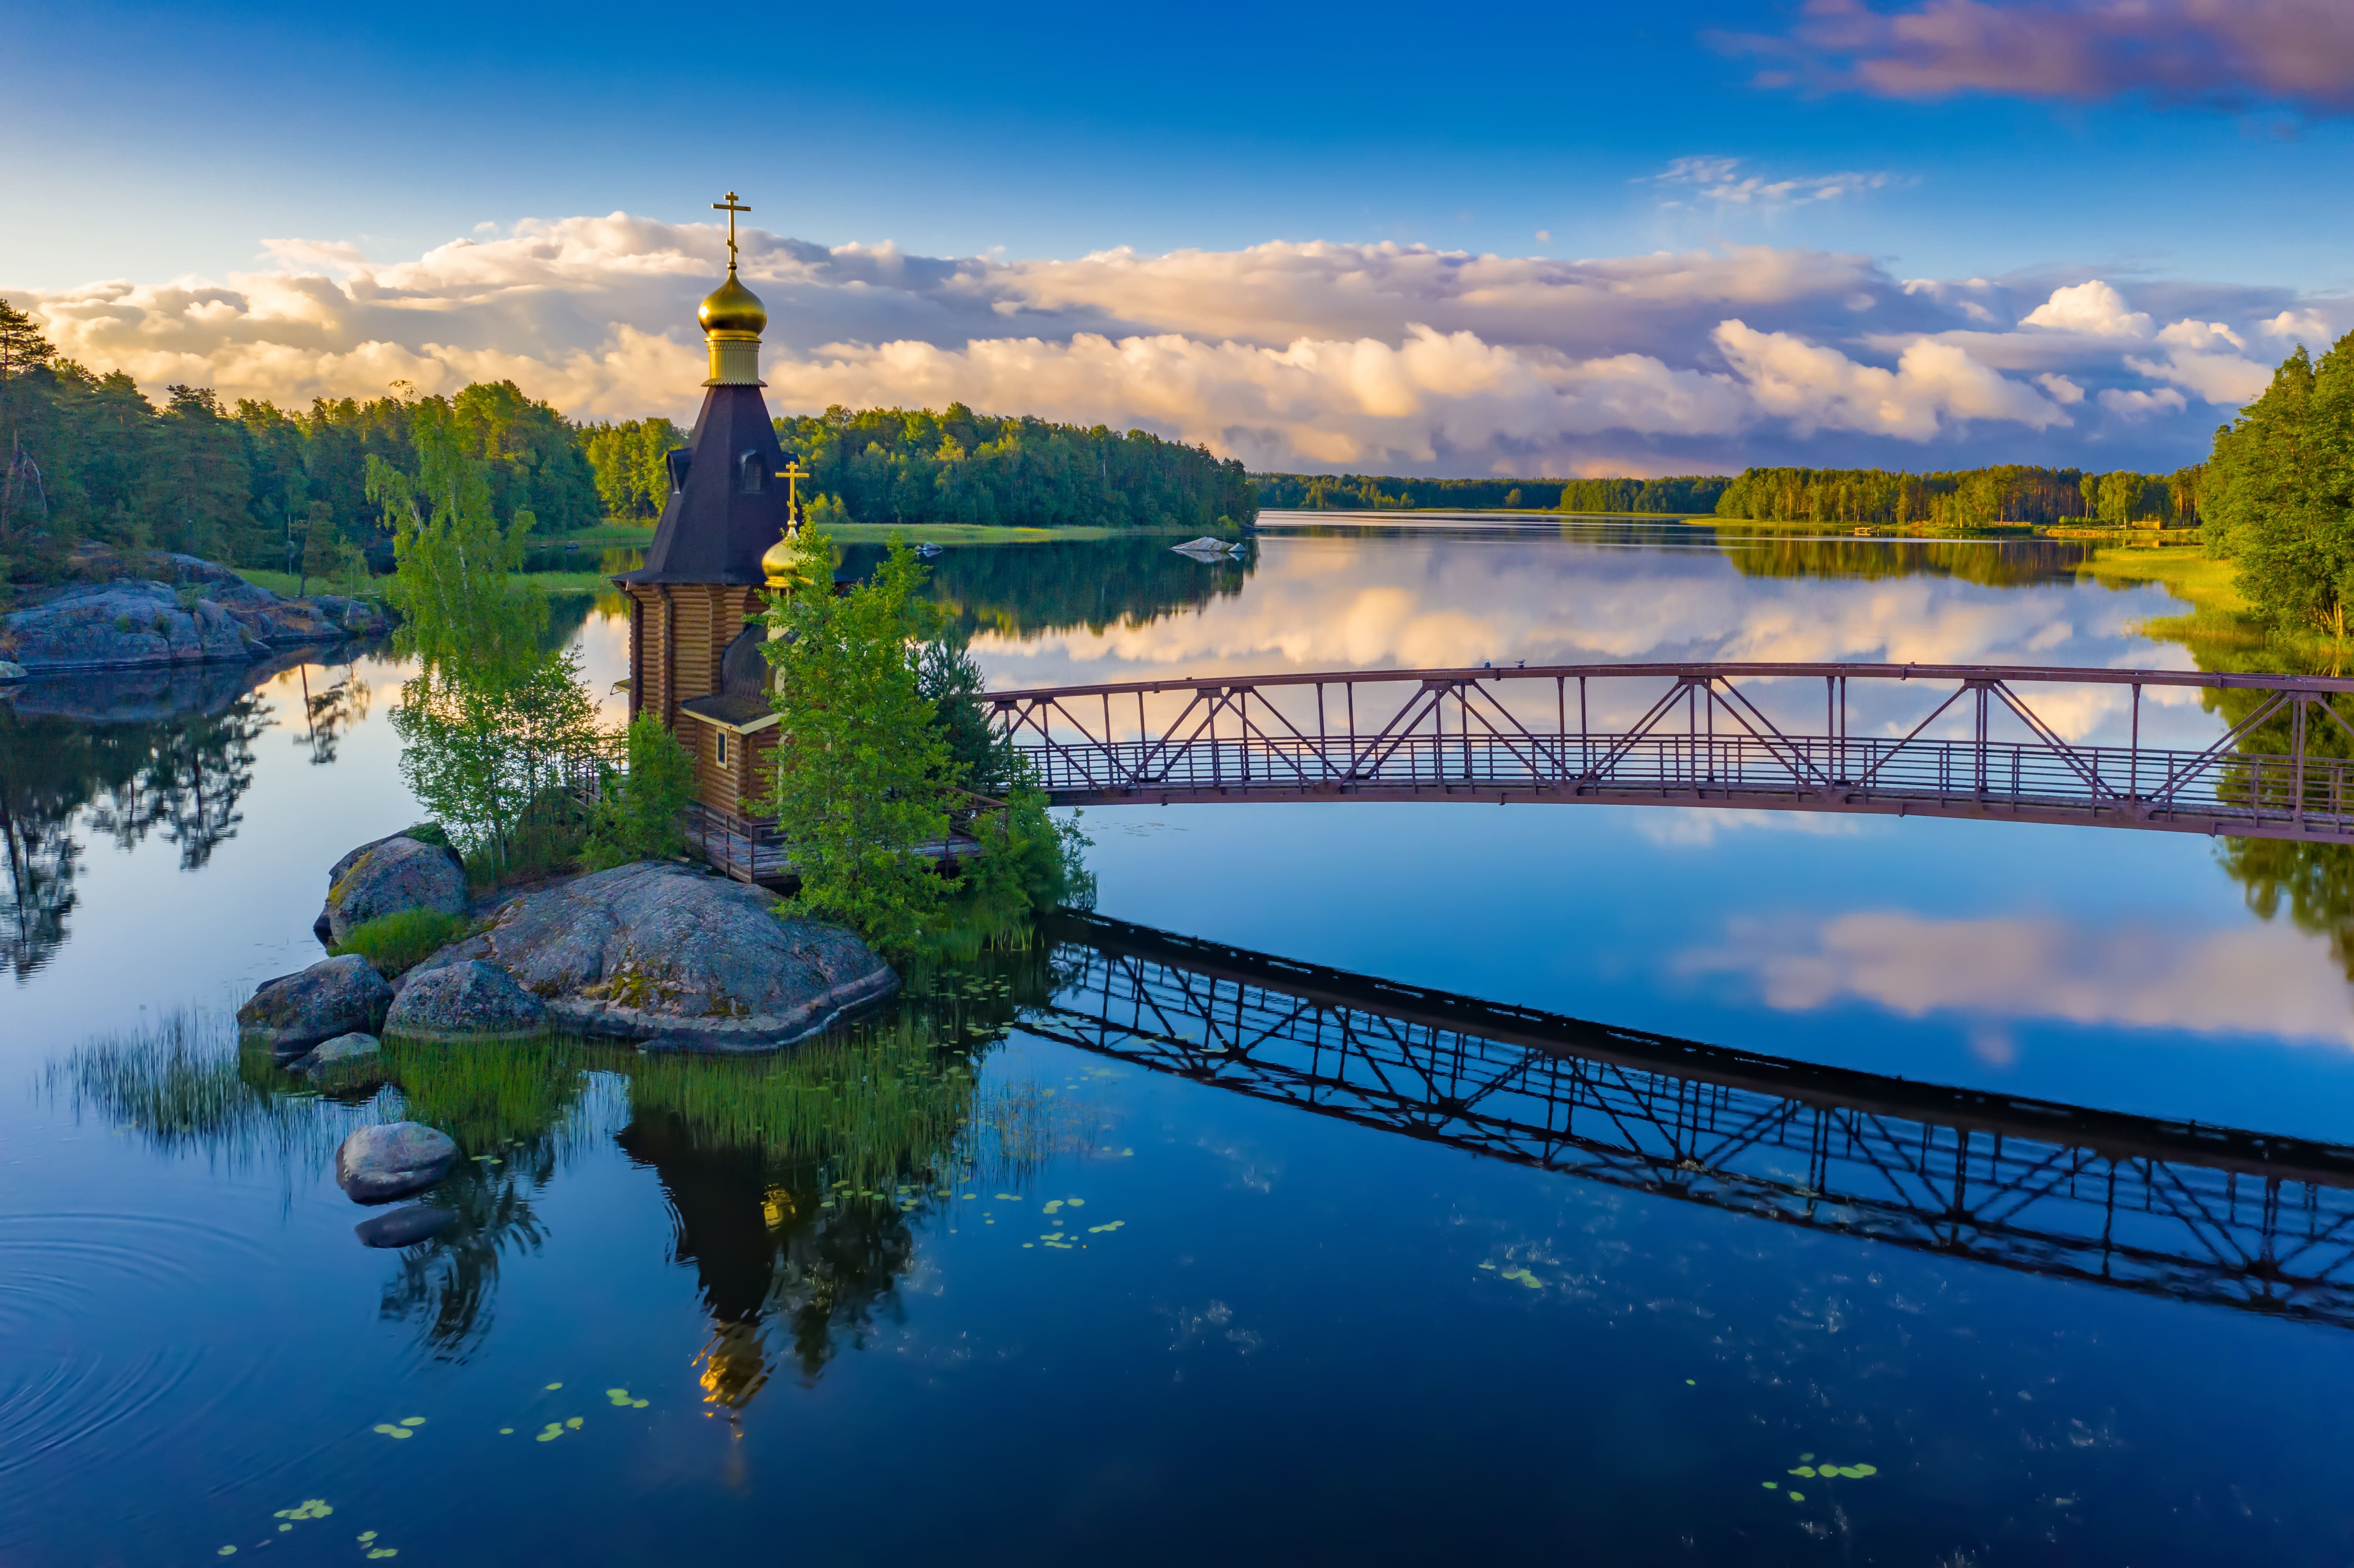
column 330, row 710
column 2010, row 564
column 1021, row 589
column 182, row 775
column 2314, row 881
column 447, row 1284
column 798, row 1181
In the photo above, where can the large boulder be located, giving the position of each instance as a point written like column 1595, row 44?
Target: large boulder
column 665, row 954
column 378, row 1164
column 335, row 996
column 391, row 876
column 465, row 1002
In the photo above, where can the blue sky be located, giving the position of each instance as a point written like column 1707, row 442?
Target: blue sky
column 2193, row 167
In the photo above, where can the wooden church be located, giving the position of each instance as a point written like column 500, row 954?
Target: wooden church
column 694, row 606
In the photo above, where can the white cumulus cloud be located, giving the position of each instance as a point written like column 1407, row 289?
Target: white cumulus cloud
column 1291, row 354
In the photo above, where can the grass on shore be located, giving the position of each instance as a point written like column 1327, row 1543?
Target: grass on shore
column 2222, row 630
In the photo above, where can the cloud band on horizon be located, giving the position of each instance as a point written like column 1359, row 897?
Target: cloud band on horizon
column 1287, row 354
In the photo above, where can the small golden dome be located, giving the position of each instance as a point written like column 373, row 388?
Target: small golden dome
column 779, row 560
column 732, row 307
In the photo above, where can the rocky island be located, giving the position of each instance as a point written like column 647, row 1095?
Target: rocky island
column 118, row 612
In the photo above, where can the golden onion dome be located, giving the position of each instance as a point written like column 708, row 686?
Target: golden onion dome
column 732, row 307
column 780, row 561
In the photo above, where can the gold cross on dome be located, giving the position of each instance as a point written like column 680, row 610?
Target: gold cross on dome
column 731, row 207
column 792, row 473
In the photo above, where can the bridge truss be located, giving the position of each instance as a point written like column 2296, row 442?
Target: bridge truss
column 1940, row 740
column 2173, row 1209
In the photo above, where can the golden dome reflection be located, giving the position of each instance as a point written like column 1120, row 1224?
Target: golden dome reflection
column 732, row 308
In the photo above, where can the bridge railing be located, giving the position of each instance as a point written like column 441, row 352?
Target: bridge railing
column 1970, row 743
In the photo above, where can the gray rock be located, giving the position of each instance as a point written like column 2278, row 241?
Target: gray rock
column 11, row 671
column 352, row 856
column 334, row 996
column 405, row 1227
column 665, row 954
column 342, row 1051
column 378, row 1164
column 120, row 625
column 465, row 1002
column 395, row 874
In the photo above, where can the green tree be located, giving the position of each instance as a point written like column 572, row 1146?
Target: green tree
column 2278, row 493
column 862, row 773
column 637, row 810
column 494, row 725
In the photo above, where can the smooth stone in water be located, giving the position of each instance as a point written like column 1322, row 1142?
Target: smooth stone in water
column 397, row 874
column 342, row 1049
column 378, row 1164
column 9, row 671
column 334, row 996
column 467, row 1000
column 662, row 953
column 405, row 1227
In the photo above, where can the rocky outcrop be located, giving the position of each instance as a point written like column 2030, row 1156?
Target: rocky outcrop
column 378, row 1164
column 123, row 625
column 343, row 1052
column 335, row 996
column 666, row 955
column 391, row 876
column 466, row 1000
column 122, row 618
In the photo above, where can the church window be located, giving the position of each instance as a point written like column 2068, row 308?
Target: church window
column 723, row 748
column 756, row 473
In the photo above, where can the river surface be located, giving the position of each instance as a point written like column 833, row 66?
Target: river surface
column 1023, row 1294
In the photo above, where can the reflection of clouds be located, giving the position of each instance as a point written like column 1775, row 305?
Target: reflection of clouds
column 1696, row 827
column 2268, row 980
column 1412, row 601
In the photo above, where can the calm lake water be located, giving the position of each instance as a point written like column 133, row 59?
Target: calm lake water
column 1006, row 1297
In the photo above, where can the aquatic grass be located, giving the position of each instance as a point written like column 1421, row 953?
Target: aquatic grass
column 493, row 1095
column 398, row 942
column 183, row 1083
column 870, row 1104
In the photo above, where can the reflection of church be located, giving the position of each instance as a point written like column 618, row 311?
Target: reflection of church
column 770, row 1258
column 695, row 639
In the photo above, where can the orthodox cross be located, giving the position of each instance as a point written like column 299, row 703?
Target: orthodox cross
column 731, row 209
column 792, row 473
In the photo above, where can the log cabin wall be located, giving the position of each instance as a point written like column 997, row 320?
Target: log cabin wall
column 679, row 634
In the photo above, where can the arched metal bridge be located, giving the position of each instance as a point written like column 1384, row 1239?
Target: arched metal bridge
column 1942, row 740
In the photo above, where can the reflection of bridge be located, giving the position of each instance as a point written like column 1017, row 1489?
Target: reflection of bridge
column 1970, row 745
column 2165, row 1208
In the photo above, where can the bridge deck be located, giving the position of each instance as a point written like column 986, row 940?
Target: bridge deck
column 1972, row 744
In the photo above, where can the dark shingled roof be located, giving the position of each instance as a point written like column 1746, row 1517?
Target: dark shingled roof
column 713, row 529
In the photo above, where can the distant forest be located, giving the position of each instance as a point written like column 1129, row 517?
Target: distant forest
column 2009, row 492
column 1371, row 493
column 88, row 456
column 911, row 465
column 2006, row 493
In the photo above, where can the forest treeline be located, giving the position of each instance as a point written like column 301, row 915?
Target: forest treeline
column 87, row 455
column 1371, row 492
column 911, row 465
column 2008, row 493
